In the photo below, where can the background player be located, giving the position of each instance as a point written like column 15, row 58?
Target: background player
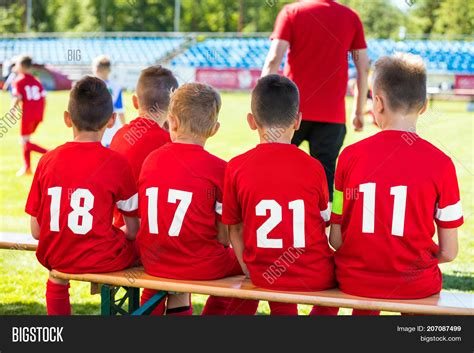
column 9, row 74
column 101, row 68
column 276, row 201
column 72, row 196
column 28, row 95
column 391, row 189
column 136, row 140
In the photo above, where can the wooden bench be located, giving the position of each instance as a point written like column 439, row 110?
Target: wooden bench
column 445, row 303
column 17, row 241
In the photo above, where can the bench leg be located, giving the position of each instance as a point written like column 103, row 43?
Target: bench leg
column 150, row 305
column 133, row 299
column 106, row 299
column 110, row 305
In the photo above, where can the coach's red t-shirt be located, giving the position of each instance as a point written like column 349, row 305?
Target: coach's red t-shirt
column 391, row 189
column 280, row 195
column 73, row 194
column 321, row 33
column 32, row 94
column 135, row 141
column 180, row 196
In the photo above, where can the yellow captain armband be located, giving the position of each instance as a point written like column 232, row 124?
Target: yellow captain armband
column 337, row 202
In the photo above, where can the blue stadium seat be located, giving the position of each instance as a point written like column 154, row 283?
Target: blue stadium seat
column 439, row 56
column 54, row 51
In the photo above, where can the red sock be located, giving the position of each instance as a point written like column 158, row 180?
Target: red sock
column 181, row 311
column 35, row 148
column 216, row 306
column 57, row 299
column 242, row 307
column 359, row 312
column 324, row 311
column 147, row 294
column 280, row 309
column 27, row 155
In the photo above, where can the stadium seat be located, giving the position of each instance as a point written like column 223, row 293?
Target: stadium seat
column 122, row 50
column 455, row 57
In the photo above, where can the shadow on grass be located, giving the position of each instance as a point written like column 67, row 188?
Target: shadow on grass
column 461, row 281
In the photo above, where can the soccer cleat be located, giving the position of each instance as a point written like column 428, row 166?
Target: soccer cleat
column 24, row 171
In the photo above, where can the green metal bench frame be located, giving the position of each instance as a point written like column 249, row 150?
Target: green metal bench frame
column 128, row 303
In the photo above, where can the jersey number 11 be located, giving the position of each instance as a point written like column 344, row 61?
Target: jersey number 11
column 399, row 194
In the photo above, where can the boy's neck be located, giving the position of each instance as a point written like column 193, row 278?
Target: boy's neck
column 102, row 76
column 189, row 139
column 401, row 123
column 276, row 135
column 157, row 118
column 87, row 136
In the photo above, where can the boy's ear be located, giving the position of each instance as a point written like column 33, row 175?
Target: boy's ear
column 67, row 119
column 215, row 128
column 111, row 121
column 173, row 123
column 424, row 108
column 251, row 121
column 135, row 101
column 297, row 124
column 379, row 104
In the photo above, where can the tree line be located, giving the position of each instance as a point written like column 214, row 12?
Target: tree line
column 381, row 18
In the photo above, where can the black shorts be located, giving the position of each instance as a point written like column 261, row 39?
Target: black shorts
column 325, row 142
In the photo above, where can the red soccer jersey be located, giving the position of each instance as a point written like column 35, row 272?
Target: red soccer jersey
column 180, row 196
column 73, row 194
column 391, row 189
column 135, row 141
column 320, row 33
column 32, row 94
column 280, row 194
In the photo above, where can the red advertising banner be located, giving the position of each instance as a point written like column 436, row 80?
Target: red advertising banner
column 231, row 79
column 464, row 82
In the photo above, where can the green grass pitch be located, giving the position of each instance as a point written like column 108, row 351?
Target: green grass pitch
column 22, row 280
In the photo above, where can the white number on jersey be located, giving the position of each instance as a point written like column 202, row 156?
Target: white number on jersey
column 297, row 206
column 174, row 195
column 32, row 93
column 79, row 220
column 368, row 208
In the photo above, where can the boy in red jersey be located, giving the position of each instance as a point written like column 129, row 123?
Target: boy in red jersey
column 136, row 140
column 180, row 192
column 28, row 92
column 73, row 194
column 277, row 224
column 391, row 190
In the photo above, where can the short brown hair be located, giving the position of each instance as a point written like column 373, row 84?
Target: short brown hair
column 25, row 61
column 196, row 106
column 90, row 104
column 102, row 62
column 275, row 101
column 154, row 88
column 402, row 77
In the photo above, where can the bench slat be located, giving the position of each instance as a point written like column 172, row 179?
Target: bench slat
column 17, row 241
column 445, row 303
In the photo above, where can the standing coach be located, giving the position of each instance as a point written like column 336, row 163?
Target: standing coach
column 319, row 35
